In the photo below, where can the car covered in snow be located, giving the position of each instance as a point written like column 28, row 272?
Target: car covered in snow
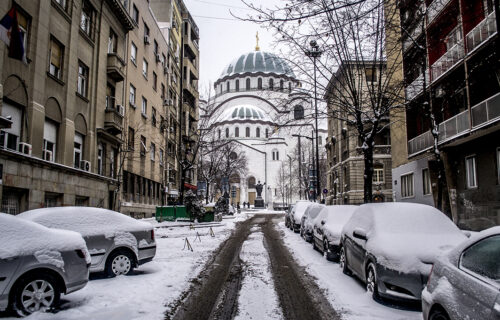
column 391, row 246
column 38, row 264
column 297, row 212
column 288, row 216
column 307, row 221
column 465, row 283
column 327, row 229
column 117, row 243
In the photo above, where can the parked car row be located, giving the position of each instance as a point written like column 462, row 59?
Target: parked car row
column 48, row 252
column 409, row 252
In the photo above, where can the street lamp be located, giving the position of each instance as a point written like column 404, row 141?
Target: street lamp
column 315, row 53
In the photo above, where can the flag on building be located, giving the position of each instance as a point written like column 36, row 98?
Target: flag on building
column 12, row 36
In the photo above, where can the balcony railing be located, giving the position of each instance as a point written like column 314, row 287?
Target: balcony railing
column 486, row 112
column 484, row 30
column 414, row 34
column 447, row 61
column 435, row 8
column 417, row 86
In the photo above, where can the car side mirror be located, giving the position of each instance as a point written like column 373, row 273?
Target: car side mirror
column 322, row 222
column 359, row 234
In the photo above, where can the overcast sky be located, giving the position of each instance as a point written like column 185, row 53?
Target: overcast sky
column 224, row 38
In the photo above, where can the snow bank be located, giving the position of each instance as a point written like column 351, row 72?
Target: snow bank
column 21, row 237
column 405, row 236
column 335, row 218
column 86, row 220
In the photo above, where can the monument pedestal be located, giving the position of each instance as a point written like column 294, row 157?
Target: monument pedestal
column 259, row 203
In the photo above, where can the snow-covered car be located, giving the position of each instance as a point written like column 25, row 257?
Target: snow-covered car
column 327, row 229
column 117, row 243
column 298, row 212
column 307, row 221
column 288, row 217
column 465, row 283
column 38, row 264
column 391, row 246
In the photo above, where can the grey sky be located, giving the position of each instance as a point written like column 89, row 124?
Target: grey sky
column 221, row 41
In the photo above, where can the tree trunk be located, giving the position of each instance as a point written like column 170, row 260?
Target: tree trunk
column 207, row 192
column 368, row 173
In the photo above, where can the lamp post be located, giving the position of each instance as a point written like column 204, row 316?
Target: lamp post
column 315, row 53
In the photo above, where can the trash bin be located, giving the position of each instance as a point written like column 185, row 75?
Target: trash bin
column 165, row 213
column 181, row 213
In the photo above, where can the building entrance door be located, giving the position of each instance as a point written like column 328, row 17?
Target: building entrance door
column 251, row 197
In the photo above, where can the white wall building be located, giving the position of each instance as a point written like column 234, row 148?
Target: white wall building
column 257, row 103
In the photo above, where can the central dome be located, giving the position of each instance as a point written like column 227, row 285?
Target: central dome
column 255, row 62
column 244, row 112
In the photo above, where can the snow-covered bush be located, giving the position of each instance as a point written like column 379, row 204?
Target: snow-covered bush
column 193, row 205
column 221, row 206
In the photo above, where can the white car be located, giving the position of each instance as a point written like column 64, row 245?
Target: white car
column 307, row 221
column 327, row 229
column 465, row 283
column 297, row 213
column 117, row 243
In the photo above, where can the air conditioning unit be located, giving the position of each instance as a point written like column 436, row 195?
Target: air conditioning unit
column 85, row 165
column 120, row 109
column 146, row 40
column 47, row 155
column 158, row 58
column 25, row 148
column 165, row 70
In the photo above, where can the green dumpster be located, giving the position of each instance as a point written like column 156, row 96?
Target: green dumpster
column 181, row 213
column 166, row 213
column 208, row 217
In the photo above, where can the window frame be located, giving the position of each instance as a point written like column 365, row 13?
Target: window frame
column 132, row 95
column 53, row 69
column 467, row 177
column 135, row 14
column 83, row 89
column 133, row 53
column 145, row 67
column 88, row 11
column 404, row 195
column 426, row 182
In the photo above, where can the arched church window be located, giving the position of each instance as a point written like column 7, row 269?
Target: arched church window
column 219, row 134
column 276, row 155
column 227, row 132
column 248, row 83
column 267, row 133
column 236, row 132
column 290, row 86
column 247, row 132
column 257, row 132
column 251, row 182
column 298, row 112
column 271, row 84
column 259, row 83
column 237, row 85
column 228, row 86
column 282, row 83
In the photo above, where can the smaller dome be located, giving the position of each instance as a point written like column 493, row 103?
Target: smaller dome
column 244, row 112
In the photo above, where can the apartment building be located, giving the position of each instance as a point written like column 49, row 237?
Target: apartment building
column 451, row 61
column 345, row 161
column 63, row 143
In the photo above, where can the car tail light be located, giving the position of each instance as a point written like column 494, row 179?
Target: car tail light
column 153, row 234
column 80, row 253
column 430, row 274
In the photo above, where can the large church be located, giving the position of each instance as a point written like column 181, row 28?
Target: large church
column 259, row 103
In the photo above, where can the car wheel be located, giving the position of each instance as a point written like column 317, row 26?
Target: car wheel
column 119, row 263
column 343, row 262
column 36, row 293
column 371, row 280
column 438, row 314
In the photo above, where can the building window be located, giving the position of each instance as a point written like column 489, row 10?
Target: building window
column 227, row 132
column 83, row 78
column 135, row 14
column 23, row 21
column 100, row 154
column 155, row 81
column 161, row 157
column 378, row 173
column 259, row 83
column 289, row 87
column 248, row 83
column 153, row 116
column 276, row 155
column 228, row 86
column 131, row 97
column 162, row 86
column 81, row 201
column 145, row 68
column 219, row 132
column 298, row 112
column 87, row 20
column 163, row 60
column 247, row 132
column 155, row 48
column 371, row 74
column 267, row 133
column 407, row 186
column 112, row 41
column 470, row 172
column 52, row 200
column 271, row 84
column 56, row 58
column 143, row 145
column 257, row 132
column 236, row 132
column 133, row 53
column 237, row 85
column 77, row 150
column 282, row 84
column 152, row 151
column 131, row 134
column 426, row 181
column 110, row 96
column 146, row 30
column 49, row 140
column 9, row 137
column 62, row 3
column 144, row 109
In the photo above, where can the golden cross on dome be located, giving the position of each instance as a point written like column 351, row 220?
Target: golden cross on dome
column 257, row 48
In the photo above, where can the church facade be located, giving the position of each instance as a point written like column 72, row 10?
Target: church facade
column 259, row 103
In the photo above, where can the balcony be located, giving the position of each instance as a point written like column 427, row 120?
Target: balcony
column 486, row 112
column 116, row 67
column 447, row 61
column 414, row 34
column 120, row 9
column 482, row 32
column 435, row 9
column 417, row 86
column 113, row 117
